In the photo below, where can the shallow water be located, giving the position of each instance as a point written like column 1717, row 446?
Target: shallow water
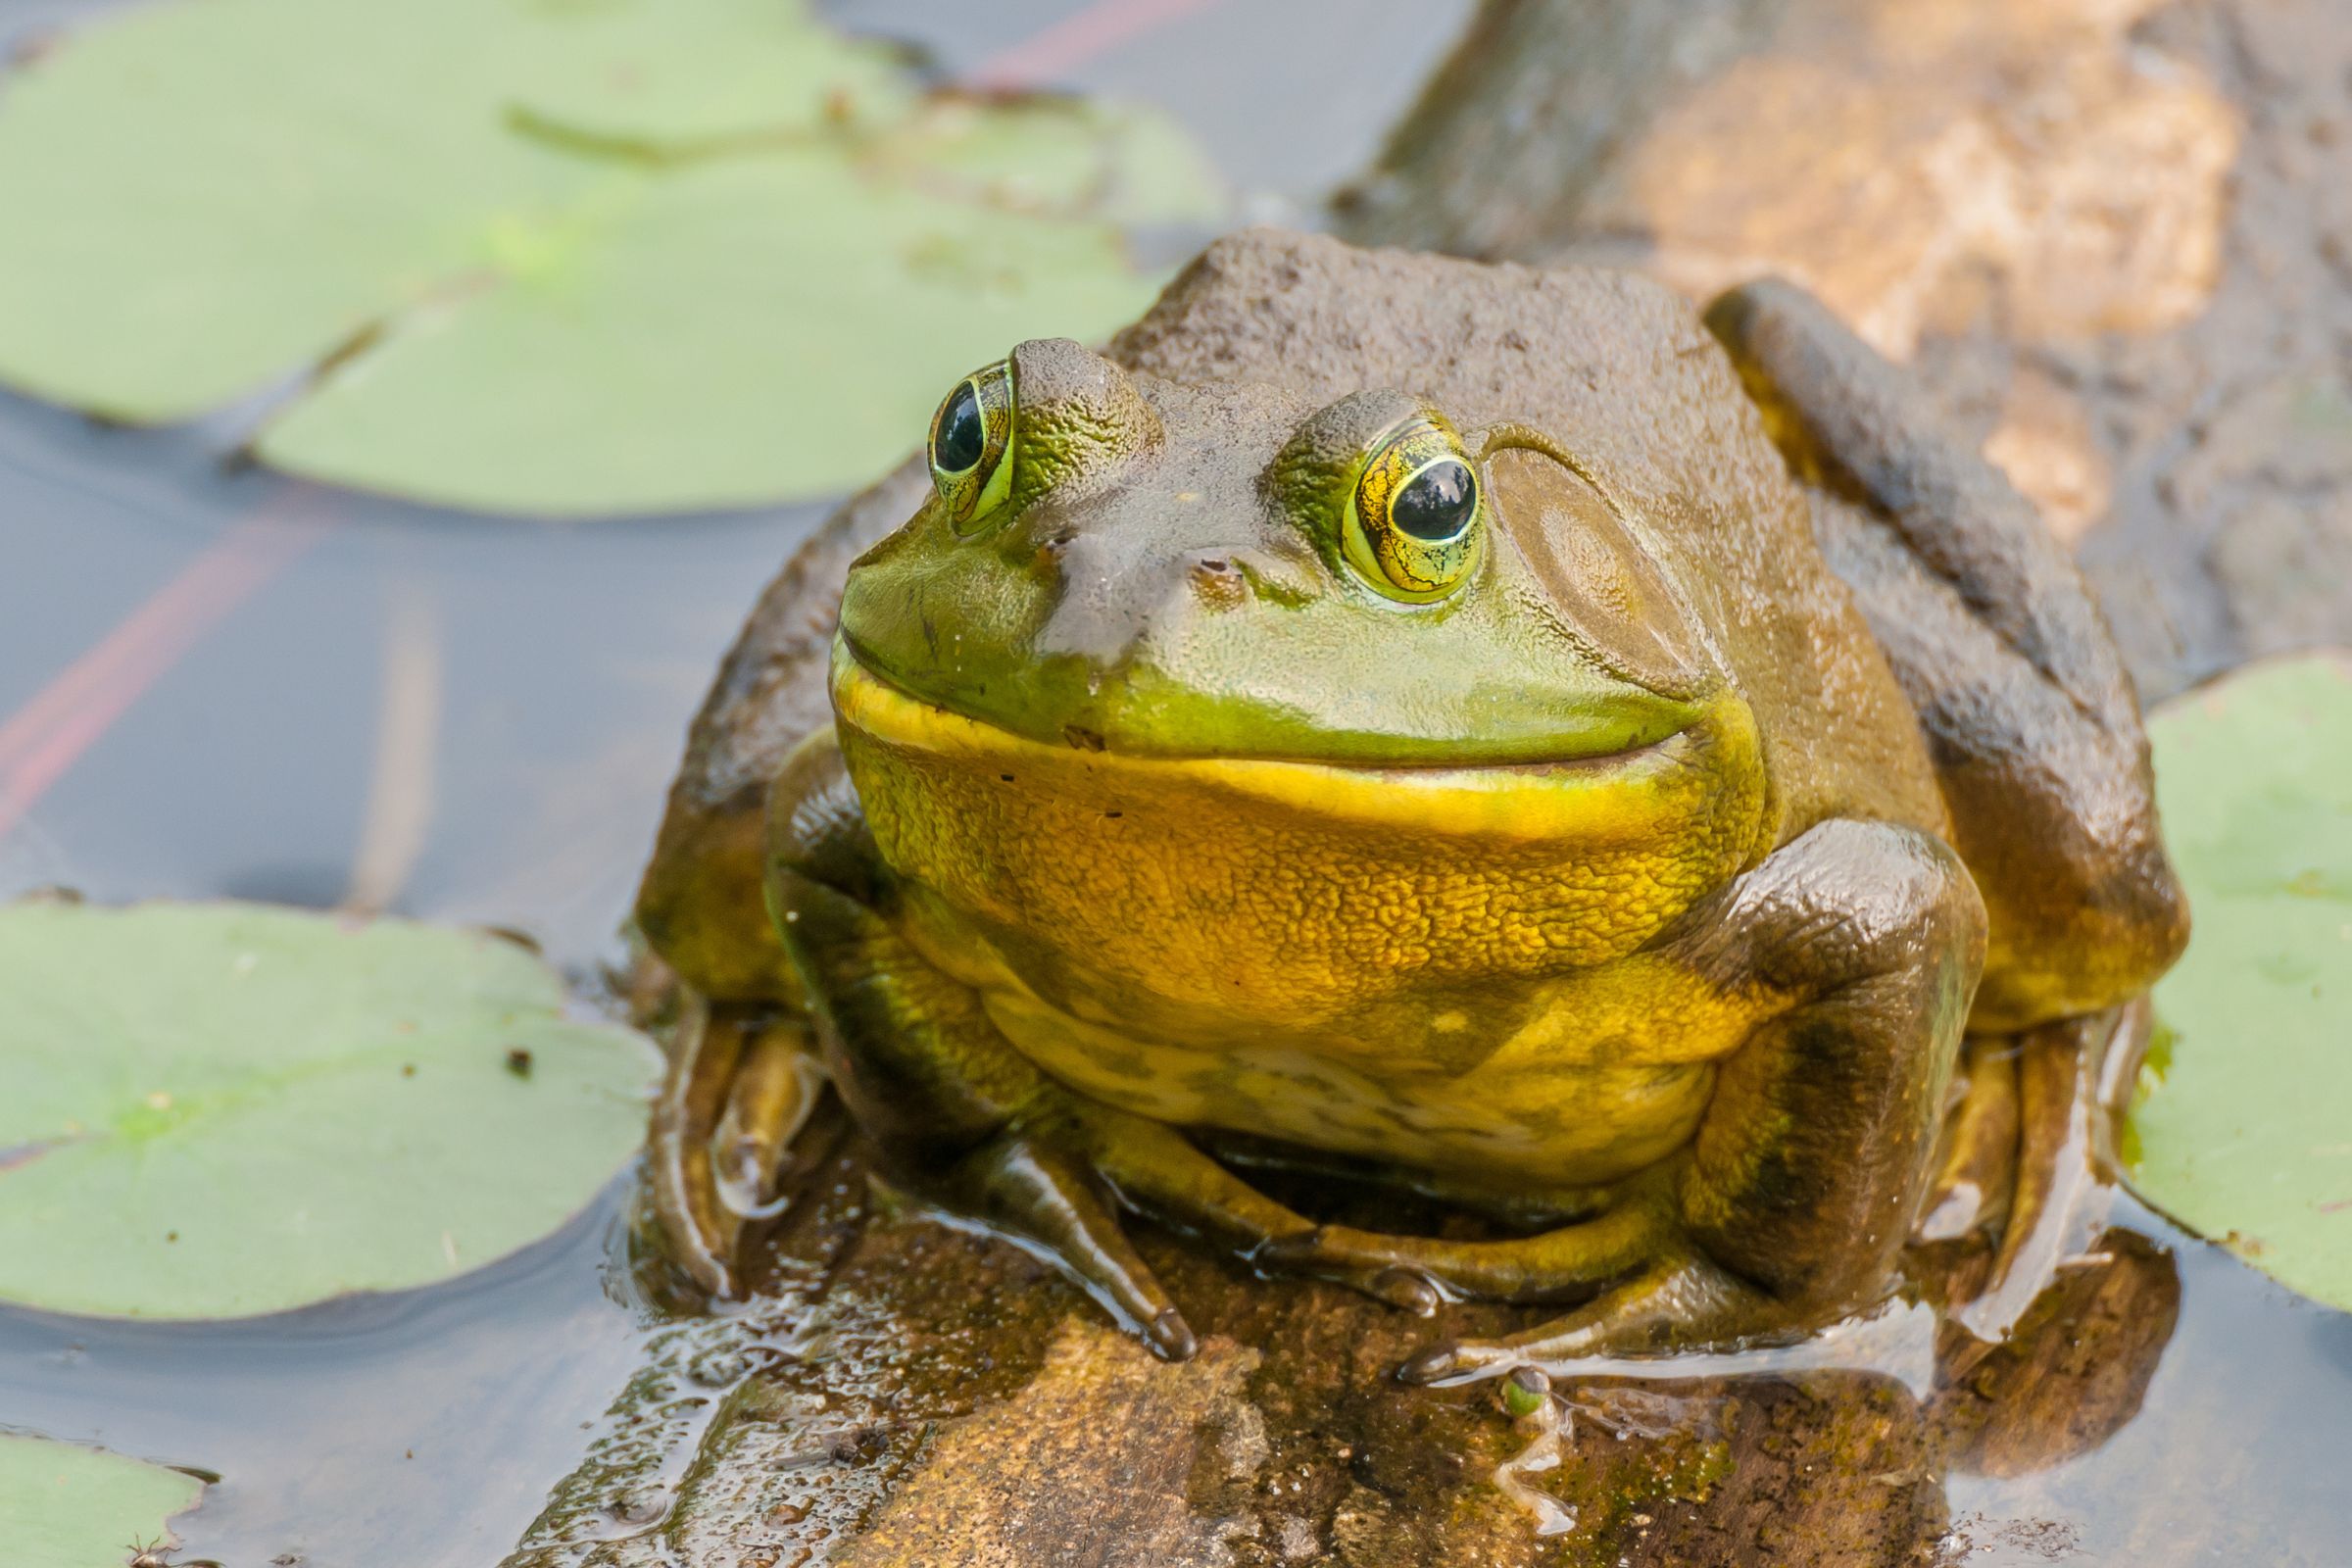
column 2247, row 1423
column 419, row 1428
column 424, row 1430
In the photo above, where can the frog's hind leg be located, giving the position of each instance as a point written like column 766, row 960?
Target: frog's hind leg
column 741, row 1084
column 1977, row 1175
column 2025, row 703
column 741, row 1077
column 1161, row 1172
column 1652, row 1310
column 1801, row 1182
column 1044, row 1182
column 1567, row 1263
column 2072, row 1077
column 1157, row 1171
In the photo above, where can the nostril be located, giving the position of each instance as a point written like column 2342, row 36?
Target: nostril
column 1218, row 583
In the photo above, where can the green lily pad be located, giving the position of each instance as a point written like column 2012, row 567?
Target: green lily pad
column 212, row 1111
column 2242, row 1125
column 560, row 257
column 73, row 1507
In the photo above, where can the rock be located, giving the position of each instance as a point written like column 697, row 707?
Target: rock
column 1107, row 1460
column 1956, row 159
column 2046, row 445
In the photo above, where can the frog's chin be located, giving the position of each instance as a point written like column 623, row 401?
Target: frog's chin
column 1199, row 896
column 1619, row 799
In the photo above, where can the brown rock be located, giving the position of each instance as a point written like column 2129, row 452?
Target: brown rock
column 1091, row 1466
column 1881, row 155
column 2046, row 445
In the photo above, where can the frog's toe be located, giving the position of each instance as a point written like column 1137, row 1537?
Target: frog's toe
column 1973, row 1186
column 1041, row 1194
column 1569, row 1262
column 2065, row 1073
column 1458, row 1362
column 1337, row 1253
column 740, row 1085
column 1154, row 1168
column 1677, row 1303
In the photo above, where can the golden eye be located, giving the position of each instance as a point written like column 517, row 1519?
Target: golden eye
column 1413, row 522
column 971, row 447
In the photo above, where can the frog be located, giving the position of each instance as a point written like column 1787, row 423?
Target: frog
column 1501, row 733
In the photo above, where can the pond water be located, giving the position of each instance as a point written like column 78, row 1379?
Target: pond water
column 230, row 637
column 2245, row 1421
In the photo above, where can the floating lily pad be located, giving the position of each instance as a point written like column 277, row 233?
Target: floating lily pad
column 70, row 1507
column 2243, row 1128
column 212, row 1111
column 554, row 257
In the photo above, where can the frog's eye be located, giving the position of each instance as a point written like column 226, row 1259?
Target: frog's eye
column 1413, row 522
column 971, row 447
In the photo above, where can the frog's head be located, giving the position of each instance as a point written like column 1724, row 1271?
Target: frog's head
column 1116, row 563
column 1232, row 606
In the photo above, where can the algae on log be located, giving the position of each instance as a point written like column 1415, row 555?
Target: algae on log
column 2114, row 238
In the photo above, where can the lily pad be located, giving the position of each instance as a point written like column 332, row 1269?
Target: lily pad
column 212, row 1111
column 2242, row 1125
column 73, row 1507
column 550, row 255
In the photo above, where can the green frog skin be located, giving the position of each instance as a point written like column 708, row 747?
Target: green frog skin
column 1487, row 727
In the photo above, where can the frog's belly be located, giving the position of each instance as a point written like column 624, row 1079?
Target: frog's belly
column 1554, row 1123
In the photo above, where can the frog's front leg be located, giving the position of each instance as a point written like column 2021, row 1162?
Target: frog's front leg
column 925, row 1068
column 1862, row 943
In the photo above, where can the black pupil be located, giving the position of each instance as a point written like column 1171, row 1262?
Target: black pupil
column 1436, row 504
column 962, row 434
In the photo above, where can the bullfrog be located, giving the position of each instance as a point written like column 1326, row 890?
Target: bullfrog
column 1494, row 731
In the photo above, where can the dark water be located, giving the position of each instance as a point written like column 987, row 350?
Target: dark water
column 423, row 1431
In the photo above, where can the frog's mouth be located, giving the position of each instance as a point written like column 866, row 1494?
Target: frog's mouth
column 1637, row 795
